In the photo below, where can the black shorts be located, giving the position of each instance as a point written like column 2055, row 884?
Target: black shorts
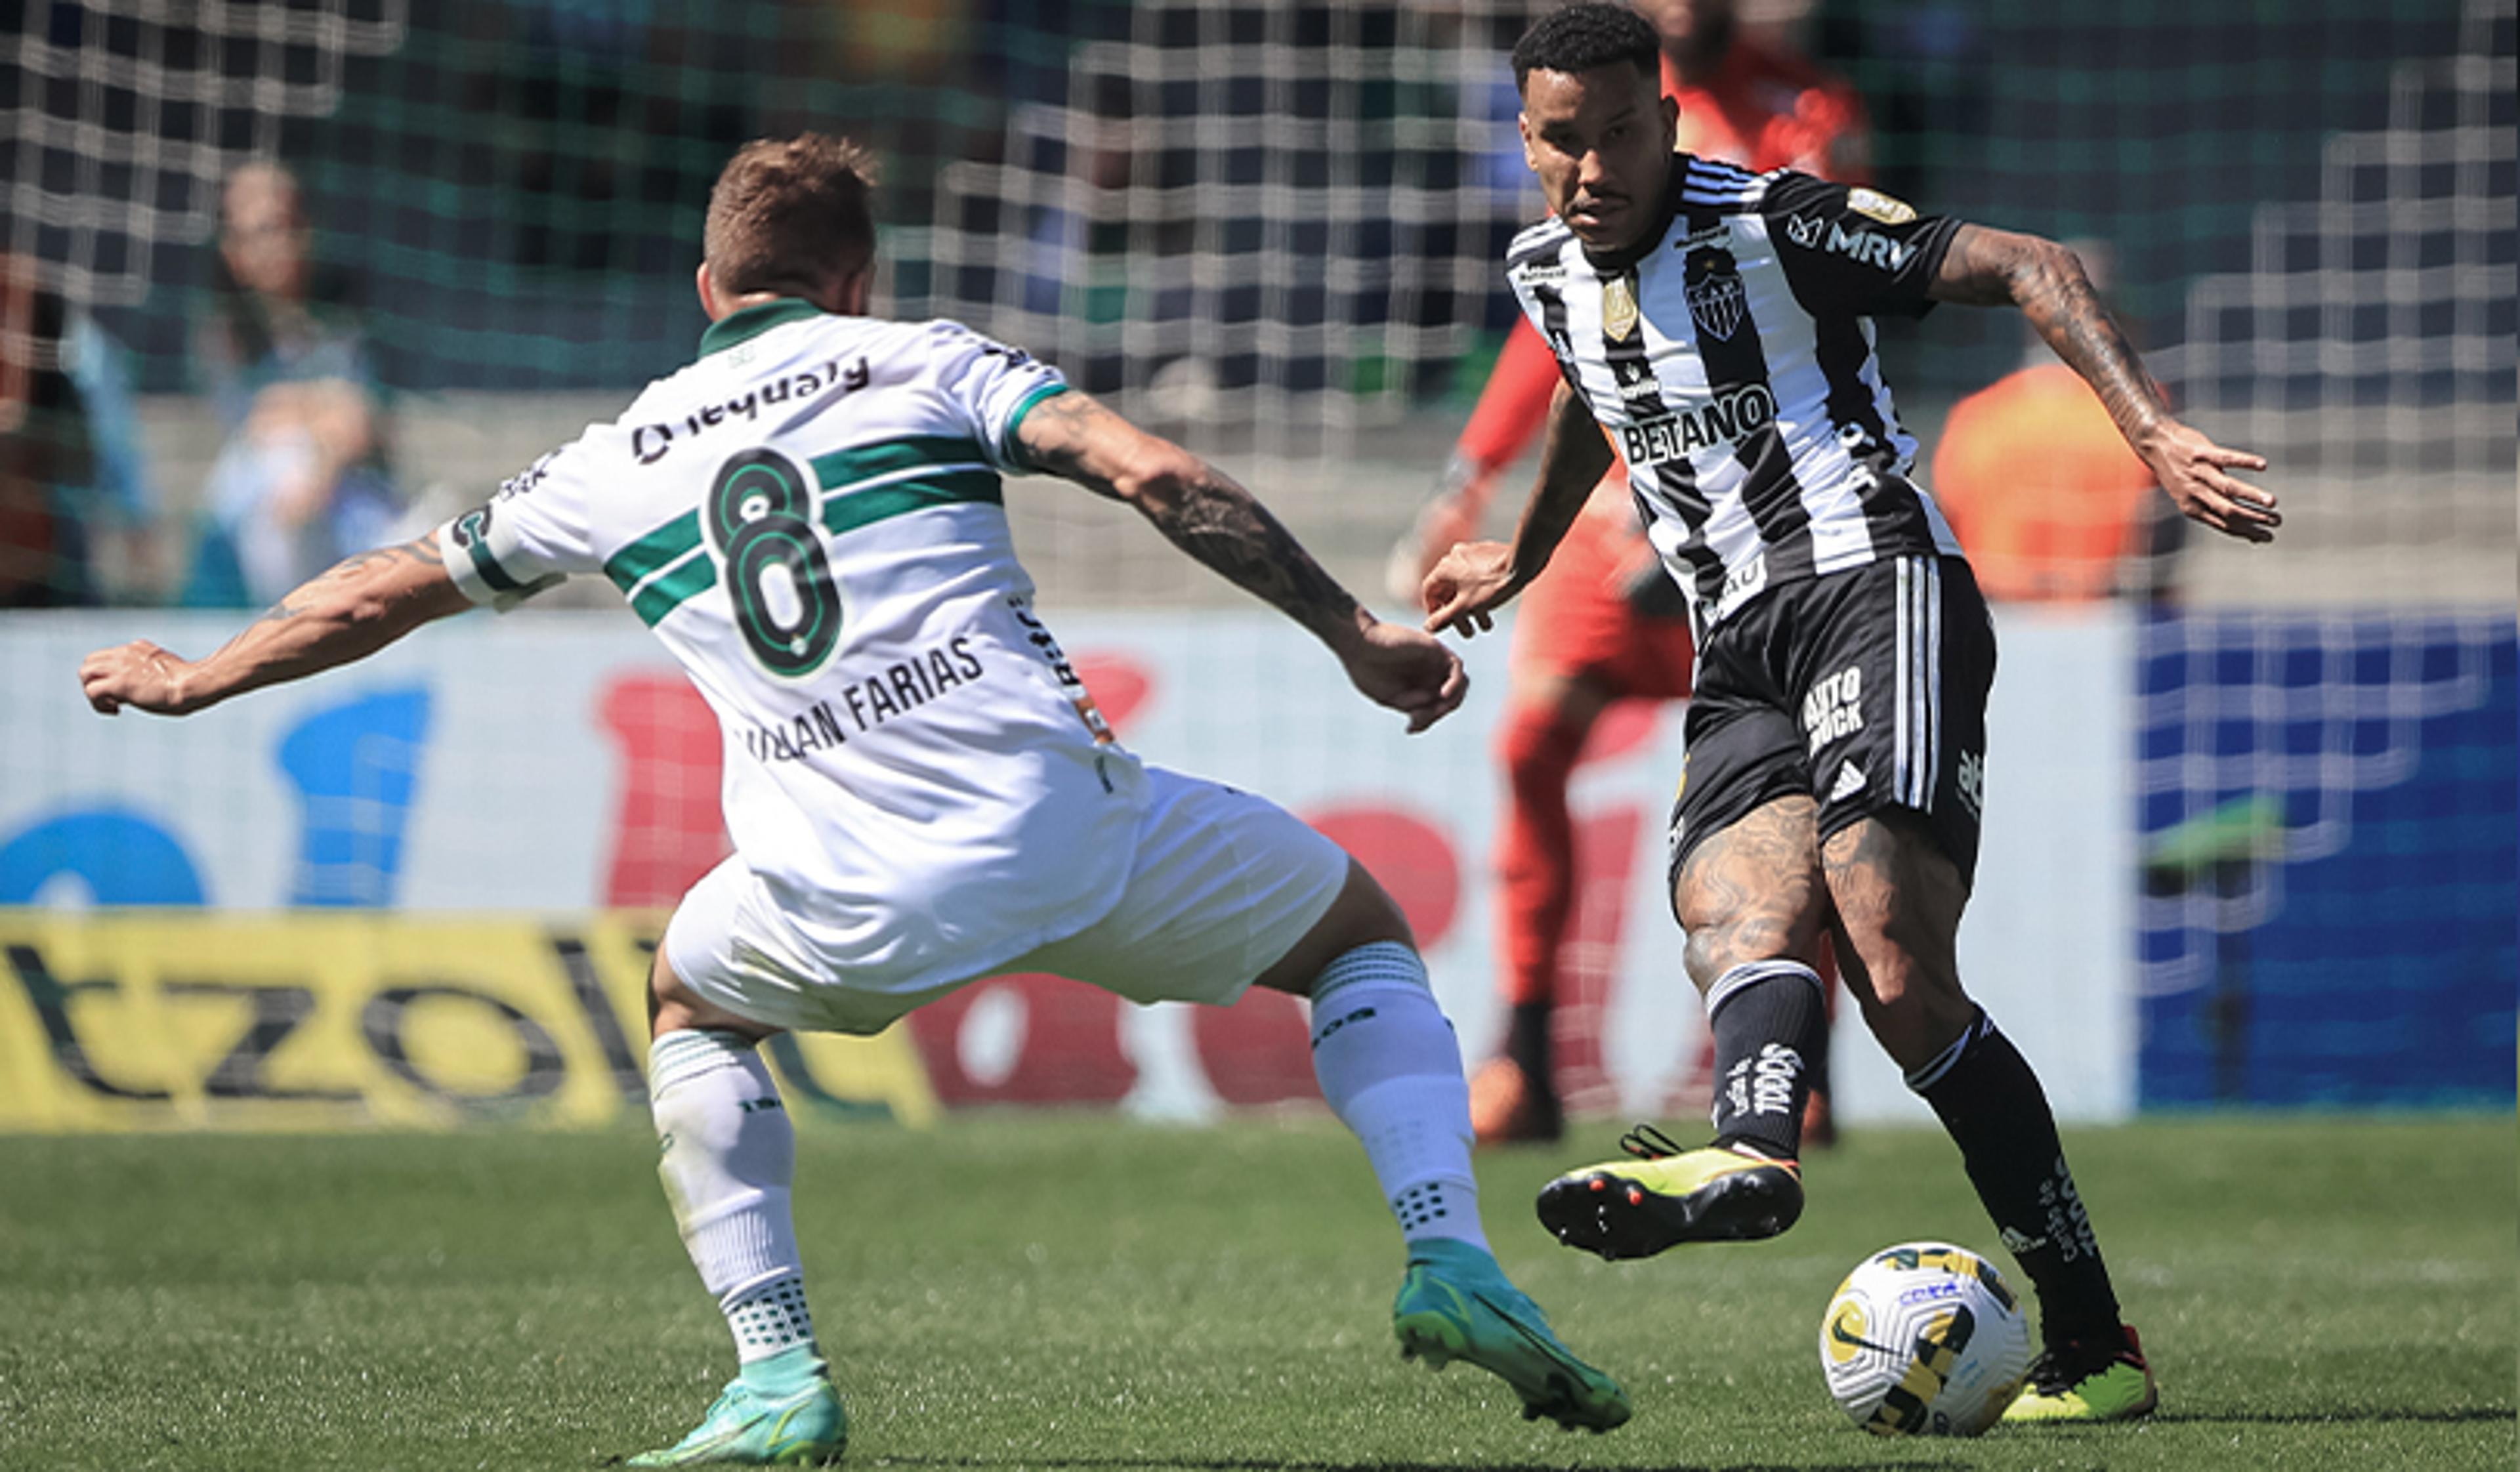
column 1866, row 690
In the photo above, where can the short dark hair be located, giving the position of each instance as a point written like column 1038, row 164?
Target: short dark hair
column 791, row 215
column 1581, row 37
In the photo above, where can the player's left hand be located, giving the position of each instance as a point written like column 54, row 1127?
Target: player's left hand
column 1468, row 586
column 138, row 674
column 2195, row 473
column 1410, row 672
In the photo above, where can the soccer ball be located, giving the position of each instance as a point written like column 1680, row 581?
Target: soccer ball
column 1924, row 1339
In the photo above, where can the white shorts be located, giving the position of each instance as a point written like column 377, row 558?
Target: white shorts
column 1223, row 883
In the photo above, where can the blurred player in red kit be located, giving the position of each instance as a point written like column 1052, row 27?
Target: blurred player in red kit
column 1604, row 623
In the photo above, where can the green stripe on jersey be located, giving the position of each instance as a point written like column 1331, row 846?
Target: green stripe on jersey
column 668, row 543
column 845, row 513
column 662, row 570
column 663, row 595
column 844, row 468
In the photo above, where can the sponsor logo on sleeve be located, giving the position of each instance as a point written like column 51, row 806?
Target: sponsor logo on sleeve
column 527, row 478
column 1873, row 204
column 1868, row 247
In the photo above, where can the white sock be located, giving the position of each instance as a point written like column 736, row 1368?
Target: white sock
column 1391, row 1070
column 728, row 1160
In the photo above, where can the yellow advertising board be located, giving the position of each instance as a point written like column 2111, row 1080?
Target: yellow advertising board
column 161, row 1019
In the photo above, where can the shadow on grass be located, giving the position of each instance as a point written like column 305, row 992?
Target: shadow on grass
column 1262, row 1464
column 2338, row 1418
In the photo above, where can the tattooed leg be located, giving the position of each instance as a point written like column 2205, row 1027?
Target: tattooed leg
column 1898, row 903
column 1753, row 892
column 1753, row 899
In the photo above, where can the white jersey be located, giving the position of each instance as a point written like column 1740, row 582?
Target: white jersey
column 810, row 517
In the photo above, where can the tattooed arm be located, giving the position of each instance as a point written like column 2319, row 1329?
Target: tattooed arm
column 1995, row 267
column 1202, row 510
column 357, row 608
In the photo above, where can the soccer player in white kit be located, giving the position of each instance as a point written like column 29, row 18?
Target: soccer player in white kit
column 919, row 787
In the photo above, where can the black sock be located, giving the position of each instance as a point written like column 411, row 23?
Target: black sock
column 1526, row 1040
column 1815, row 1056
column 1991, row 1103
column 1767, row 1021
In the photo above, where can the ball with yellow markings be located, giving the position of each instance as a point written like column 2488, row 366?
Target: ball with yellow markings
column 1924, row 1339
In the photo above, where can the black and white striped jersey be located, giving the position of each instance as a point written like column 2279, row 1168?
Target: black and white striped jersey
column 1730, row 357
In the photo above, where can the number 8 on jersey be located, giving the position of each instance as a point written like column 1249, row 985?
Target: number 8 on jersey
column 770, row 556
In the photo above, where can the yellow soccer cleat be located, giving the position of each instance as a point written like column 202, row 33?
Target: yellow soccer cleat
column 1667, row 1196
column 2085, row 1380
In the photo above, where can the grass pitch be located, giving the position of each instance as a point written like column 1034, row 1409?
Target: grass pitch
column 1073, row 1292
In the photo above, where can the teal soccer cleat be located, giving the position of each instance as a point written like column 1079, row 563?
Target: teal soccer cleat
column 1457, row 1303
column 805, row 1428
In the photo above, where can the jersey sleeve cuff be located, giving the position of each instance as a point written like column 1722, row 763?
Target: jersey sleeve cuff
column 1011, row 446
column 1935, row 247
column 474, row 564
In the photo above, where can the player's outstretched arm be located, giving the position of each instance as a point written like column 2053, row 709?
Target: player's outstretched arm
column 1995, row 267
column 1512, row 412
column 357, row 608
column 1476, row 578
column 1202, row 510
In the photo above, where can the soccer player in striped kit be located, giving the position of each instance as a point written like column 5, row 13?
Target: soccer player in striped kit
column 1605, row 624
column 1717, row 325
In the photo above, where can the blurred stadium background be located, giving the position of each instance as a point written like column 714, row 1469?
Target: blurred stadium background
column 2286, row 869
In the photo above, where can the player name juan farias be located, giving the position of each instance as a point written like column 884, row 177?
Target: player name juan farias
column 1730, row 415
column 864, row 703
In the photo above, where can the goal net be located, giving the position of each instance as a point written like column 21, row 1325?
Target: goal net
column 1273, row 230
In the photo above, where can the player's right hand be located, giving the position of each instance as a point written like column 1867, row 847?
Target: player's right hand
column 138, row 674
column 1399, row 667
column 1467, row 588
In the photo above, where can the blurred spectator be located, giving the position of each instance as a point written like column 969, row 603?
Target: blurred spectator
column 1753, row 103
column 46, row 458
column 301, row 481
column 129, row 548
column 2043, row 491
